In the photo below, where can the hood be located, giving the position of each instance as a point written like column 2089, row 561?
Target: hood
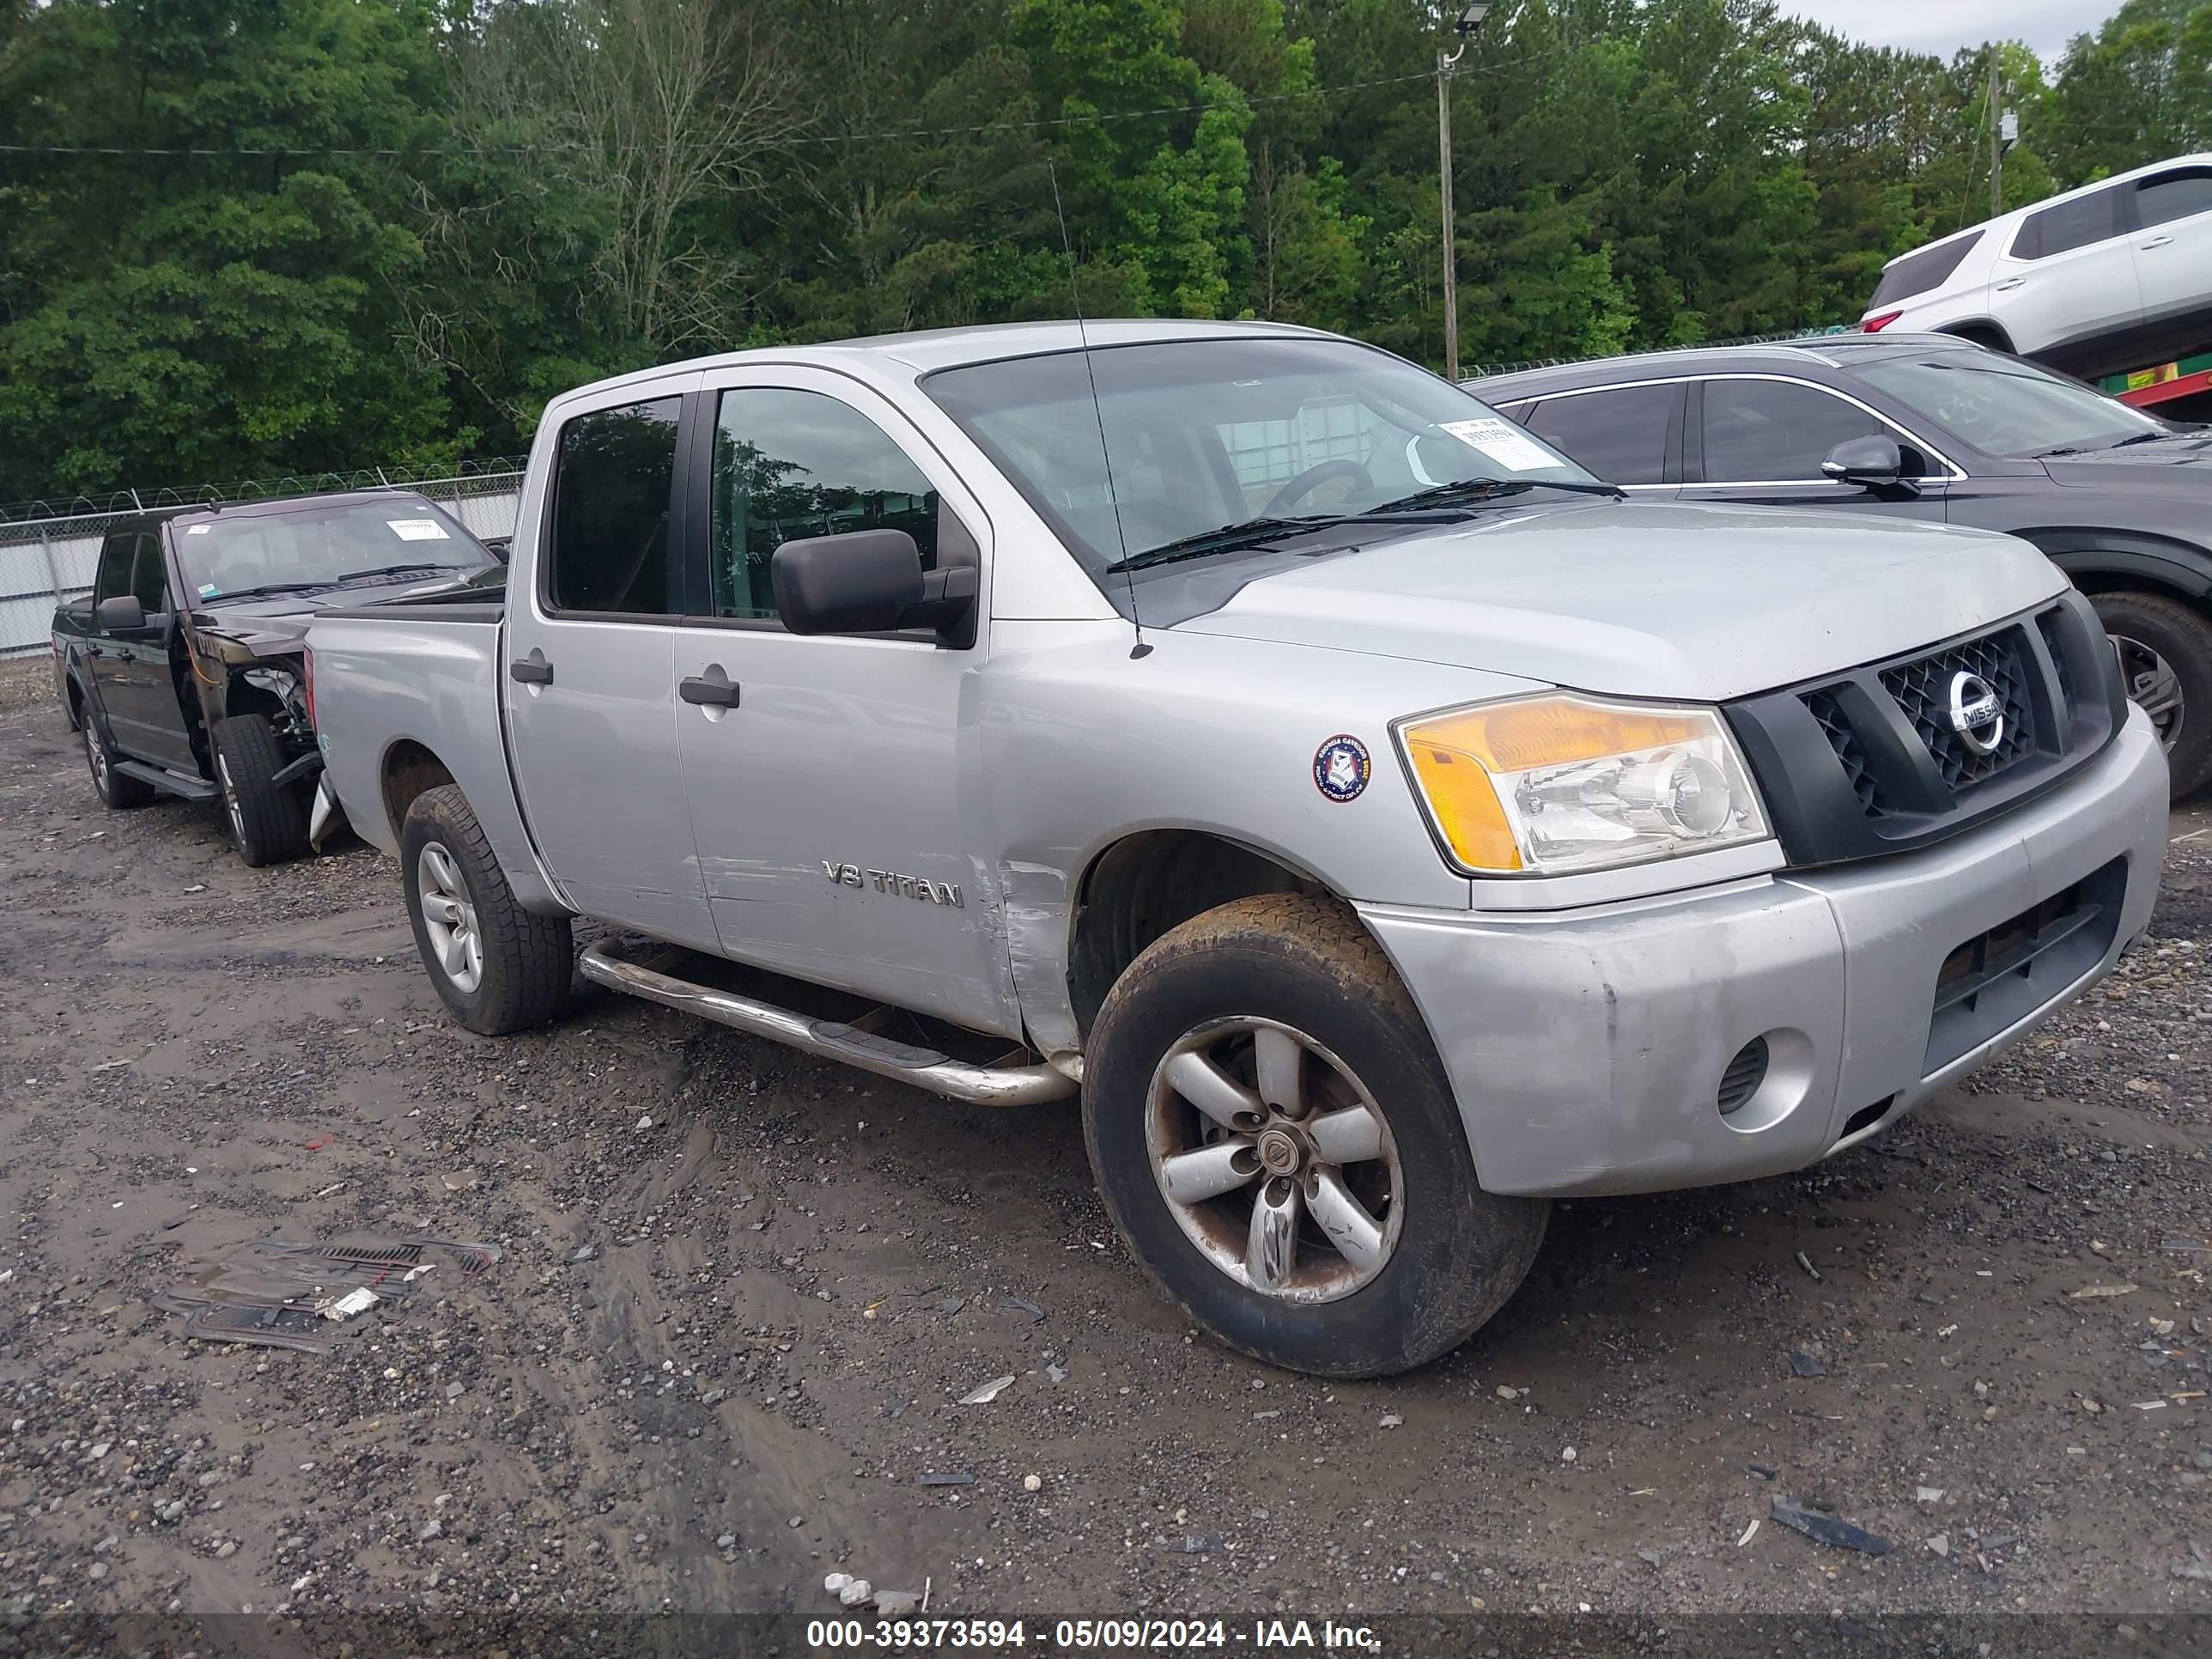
column 2181, row 465
column 278, row 623
column 1649, row 600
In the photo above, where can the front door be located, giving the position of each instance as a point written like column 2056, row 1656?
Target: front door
column 840, row 822
column 2173, row 258
column 590, row 684
column 1761, row 440
column 143, row 711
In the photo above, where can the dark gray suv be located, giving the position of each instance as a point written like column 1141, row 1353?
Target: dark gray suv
column 1926, row 427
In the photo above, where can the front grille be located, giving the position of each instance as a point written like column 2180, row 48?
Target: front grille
column 1870, row 761
column 1922, row 690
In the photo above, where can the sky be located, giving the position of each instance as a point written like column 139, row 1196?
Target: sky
column 1943, row 26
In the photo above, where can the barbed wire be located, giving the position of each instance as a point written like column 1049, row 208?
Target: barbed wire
column 115, row 503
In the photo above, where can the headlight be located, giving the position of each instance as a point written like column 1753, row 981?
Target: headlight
column 1558, row 783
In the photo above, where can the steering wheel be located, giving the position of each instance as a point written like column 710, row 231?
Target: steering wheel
column 1297, row 489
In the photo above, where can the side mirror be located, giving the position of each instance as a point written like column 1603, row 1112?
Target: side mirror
column 120, row 616
column 865, row 582
column 1876, row 462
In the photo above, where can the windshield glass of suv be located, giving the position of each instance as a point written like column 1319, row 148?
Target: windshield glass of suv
column 1206, row 435
column 318, row 547
column 2006, row 407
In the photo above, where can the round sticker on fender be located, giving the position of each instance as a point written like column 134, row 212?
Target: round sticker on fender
column 1342, row 768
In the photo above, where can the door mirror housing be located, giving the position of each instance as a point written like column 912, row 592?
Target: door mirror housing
column 1878, row 462
column 868, row 581
column 121, row 617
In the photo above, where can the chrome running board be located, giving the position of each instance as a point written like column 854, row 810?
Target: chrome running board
column 926, row 1068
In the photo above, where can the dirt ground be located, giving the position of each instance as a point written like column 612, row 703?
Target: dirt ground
column 741, row 1293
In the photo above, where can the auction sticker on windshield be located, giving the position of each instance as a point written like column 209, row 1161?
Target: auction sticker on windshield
column 1502, row 441
column 418, row 530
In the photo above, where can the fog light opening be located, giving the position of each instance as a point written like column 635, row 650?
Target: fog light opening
column 1740, row 1081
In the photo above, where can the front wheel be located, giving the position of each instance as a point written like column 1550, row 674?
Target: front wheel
column 1276, row 1138
column 267, row 820
column 498, row 967
column 2164, row 649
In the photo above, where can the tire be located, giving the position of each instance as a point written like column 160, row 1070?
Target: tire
column 1260, row 968
column 117, row 792
column 518, row 971
column 2165, row 649
column 267, row 821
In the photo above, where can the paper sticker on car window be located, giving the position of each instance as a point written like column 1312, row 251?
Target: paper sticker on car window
column 208, row 590
column 1502, row 441
column 418, row 530
column 197, row 529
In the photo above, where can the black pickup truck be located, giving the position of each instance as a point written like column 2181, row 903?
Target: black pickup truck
column 185, row 666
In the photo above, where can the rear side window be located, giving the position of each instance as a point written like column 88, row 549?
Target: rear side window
column 149, row 580
column 1620, row 435
column 2064, row 226
column 1919, row 273
column 1771, row 431
column 116, row 555
column 612, row 486
column 791, row 464
column 2171, row 196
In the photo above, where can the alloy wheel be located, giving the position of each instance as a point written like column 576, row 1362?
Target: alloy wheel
column 449, row 917
column 1275, row 1160
column 2155, row 687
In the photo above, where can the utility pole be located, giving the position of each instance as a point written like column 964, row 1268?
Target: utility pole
column 1996, row 138
column 1470, row 17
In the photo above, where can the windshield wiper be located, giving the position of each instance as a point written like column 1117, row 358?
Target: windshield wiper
column 1227, row 539
column 2146, row 438
column 395, row 570
column 1482, row 490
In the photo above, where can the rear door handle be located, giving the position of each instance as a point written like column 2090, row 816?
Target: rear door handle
column 2156, row 241
column 2010, row 283
column 532, row 670
column 712, row 689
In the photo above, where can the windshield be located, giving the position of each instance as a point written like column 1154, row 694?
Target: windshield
column 2006, row 407
column 321, row 547
column 1211, row 435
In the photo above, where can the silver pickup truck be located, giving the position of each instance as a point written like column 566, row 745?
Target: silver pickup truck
column 1385, row 825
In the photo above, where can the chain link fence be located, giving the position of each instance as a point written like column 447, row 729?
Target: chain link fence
column 48, row 549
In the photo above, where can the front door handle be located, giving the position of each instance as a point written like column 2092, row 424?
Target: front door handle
column 712, row 689
column 532, row 670
column 2010, row 283
column 2156, row 241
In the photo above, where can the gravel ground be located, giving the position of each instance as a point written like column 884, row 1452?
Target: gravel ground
column 742, row 1292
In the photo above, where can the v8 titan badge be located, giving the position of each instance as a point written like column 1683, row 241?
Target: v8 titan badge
column 1342, row 768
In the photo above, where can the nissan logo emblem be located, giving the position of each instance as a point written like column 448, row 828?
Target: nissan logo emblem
column 1977, row 713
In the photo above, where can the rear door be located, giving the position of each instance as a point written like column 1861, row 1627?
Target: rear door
column 2173, row 252
column 2068, row 277
column 591, row 683
column 144, row 713
column 106, row 668
column 1630, row 436
column 1760, row 439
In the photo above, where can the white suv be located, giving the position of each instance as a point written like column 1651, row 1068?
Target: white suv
column 2115, row 276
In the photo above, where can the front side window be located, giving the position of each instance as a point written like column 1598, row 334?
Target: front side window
column 2064, row 226
column 1149, row 454
column 612, row 481
column 1771, row 431
column 150, row 581
column 2003, row 406
column 1620, row 434
column 790, row 466
column 116, row 554
column 2171, row 195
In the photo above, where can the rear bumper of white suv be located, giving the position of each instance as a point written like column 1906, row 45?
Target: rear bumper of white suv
column 1589, row 1049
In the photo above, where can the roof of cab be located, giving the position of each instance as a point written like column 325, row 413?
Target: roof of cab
column 284, row 506
column 1827, row 350
column 925, row 350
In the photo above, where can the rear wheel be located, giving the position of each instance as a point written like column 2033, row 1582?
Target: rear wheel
column 498, row 967
column 267, row 820
column 1271, row 1127
column 117, row 792
column 2164, row 649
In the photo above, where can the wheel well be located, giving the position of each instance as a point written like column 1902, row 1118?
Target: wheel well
column 75, row 699
column 409, row 769
column 1988, row 334
column 1143, row 885
column 243, row 697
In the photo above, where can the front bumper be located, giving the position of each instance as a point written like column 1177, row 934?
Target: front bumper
column 1586, row 1047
